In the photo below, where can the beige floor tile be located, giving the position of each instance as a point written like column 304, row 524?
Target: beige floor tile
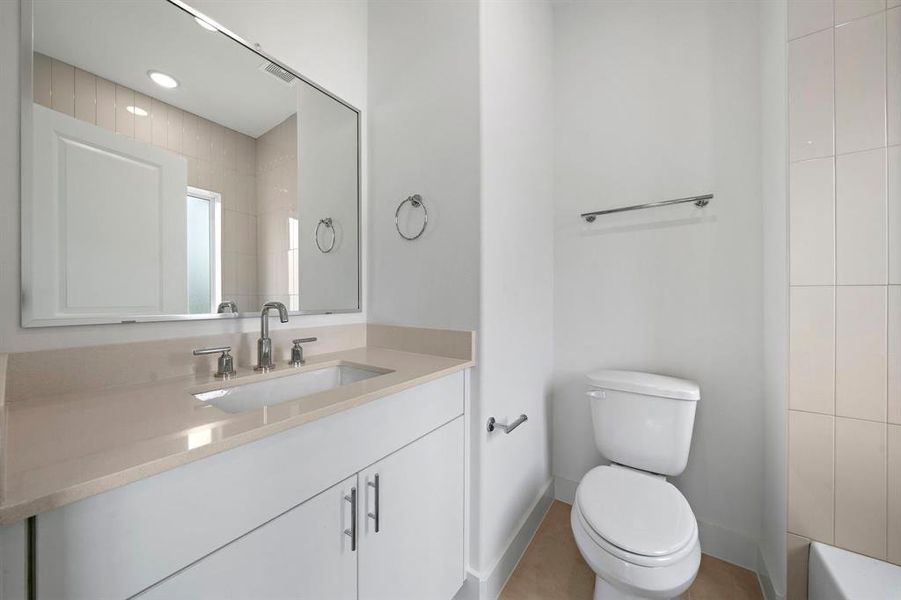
column 553, row 569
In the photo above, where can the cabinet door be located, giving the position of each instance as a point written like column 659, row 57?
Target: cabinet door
column 303, row 553
column 417, row 552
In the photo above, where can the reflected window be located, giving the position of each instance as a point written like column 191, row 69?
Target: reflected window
column 204, row 230
column 293, row 262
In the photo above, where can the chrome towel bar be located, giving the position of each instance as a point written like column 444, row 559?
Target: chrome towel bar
column 492, row 424
column 699, row 201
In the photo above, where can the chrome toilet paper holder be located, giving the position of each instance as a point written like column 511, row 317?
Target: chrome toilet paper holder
column 493, row 424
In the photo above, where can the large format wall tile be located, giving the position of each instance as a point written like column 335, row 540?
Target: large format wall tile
column 812, row 349
column 62, row 78
column 893, row 71
column 798, row 549
column 894, row 354
column 812, row 222
column 847, row 10
column 85, row 96
column 125, row 119
column 41, row 85
column 893, row 550
column 861, row 232
column 860, row 84
column 810, row 85
column 218, row 159
column 894, row 214
column 861, row 99
column 860, row 352
column 810, row 475
column 106, row 104
column 808, row 16
column 860, row 486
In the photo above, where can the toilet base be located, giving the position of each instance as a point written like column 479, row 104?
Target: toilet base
column 605, row 591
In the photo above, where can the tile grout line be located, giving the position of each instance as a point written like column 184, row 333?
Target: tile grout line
column 888, row 268
column 834, row 280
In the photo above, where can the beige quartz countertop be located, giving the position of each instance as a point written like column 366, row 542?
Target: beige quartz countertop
column 62, row 448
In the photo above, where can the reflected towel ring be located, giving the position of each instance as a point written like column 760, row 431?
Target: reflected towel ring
column 328, row 224
column 416, row 201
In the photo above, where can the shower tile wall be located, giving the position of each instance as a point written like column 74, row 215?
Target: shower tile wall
column 218, row 159
column 844, row 438
column 276, row 179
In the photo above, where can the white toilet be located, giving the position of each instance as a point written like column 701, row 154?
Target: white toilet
column 634, row 528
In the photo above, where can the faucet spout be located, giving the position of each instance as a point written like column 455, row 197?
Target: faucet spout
column 264, row 344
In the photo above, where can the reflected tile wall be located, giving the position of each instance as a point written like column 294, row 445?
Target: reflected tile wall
column 276, row 179
column 218, row 159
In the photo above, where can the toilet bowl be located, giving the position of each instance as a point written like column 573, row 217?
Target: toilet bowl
column 637, row 533
column 634, row 528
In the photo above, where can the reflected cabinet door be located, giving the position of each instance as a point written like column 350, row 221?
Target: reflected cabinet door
column 303, row 554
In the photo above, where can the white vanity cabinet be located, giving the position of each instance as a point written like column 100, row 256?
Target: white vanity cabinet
column 267, row 519
column 302, row 554
column 311, row 552
column 418, row 550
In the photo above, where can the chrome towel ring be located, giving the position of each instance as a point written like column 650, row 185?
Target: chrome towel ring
column 415, row 201
column 328, row 225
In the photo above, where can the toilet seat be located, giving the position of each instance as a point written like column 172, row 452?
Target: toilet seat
column 635, row 516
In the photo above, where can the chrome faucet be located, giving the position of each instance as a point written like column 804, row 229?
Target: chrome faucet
column 264, row 344
column 227, row 306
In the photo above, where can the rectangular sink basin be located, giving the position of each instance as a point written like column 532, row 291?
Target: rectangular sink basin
column 251, row 396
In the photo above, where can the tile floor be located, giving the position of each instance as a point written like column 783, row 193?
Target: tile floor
column 553, row 569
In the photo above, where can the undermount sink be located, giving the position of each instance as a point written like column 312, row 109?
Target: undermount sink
column 251, row 396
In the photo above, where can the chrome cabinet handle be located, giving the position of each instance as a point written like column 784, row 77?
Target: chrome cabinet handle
column 352, row 531
column 375, row 514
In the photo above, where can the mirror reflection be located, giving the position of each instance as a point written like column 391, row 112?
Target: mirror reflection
column 174, row 172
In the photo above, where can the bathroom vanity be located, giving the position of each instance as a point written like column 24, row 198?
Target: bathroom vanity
column 197, row 178
column 353, row 491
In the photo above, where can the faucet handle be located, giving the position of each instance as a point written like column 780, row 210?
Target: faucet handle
column 226, row 360
column 227, row 306
column 297, row 351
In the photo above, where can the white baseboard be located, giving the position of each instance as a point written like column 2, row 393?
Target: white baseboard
column 717, row 541
column 728, row 545
column 766, row 582
column 488, row 585
column 565, row 490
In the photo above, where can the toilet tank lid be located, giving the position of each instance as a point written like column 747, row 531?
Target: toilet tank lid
column 649, row 384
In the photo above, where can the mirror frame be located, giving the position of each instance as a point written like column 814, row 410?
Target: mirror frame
column 26, row 110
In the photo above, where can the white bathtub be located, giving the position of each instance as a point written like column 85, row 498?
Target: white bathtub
column 836, row 574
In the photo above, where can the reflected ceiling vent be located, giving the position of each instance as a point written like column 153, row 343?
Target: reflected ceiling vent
column 284, row 76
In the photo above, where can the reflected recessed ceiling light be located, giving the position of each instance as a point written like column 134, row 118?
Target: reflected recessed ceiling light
column 136, row 110
column 205, row 24
column 162, row 80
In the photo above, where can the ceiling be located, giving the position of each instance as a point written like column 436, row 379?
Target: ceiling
column 120, row 40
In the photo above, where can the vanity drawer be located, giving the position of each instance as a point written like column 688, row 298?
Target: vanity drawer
column 118, row 543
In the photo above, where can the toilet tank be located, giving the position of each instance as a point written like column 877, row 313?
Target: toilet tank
column 643, row 420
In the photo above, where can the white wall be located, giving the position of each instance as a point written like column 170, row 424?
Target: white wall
column 516, row 336
column 775, row 287
column 325, row 41
column 424, row 139
column 461, row 112
column 659, row 100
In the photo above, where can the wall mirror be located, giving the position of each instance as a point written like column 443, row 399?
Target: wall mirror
column 170, row 171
